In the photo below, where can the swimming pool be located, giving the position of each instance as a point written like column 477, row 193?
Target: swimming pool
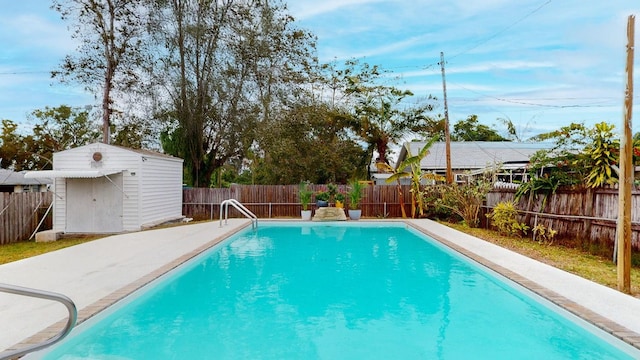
column 335, row 291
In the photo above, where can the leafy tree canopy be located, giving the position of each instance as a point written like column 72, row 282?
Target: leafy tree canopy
column 580, row 156
column 54, row 129
column 471, row 130
column 15, row 148
column 310, row 143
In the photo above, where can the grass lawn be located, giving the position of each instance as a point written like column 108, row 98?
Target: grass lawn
column 595, row 268
column 26, row 249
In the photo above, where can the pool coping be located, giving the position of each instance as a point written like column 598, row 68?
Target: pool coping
column 430, row 228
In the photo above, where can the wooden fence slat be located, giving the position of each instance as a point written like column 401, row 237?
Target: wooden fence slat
column 20, row 214
column 283, row 201
column 21, row 210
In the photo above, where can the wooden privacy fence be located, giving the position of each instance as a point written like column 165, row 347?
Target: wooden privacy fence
column 587, row 214
column 283, row 201
column 20, row 214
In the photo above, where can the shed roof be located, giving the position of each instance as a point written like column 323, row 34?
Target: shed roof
column 470, row 155
column 99, row 146
column 148, row 152
column 78, row 174
column 9, row 177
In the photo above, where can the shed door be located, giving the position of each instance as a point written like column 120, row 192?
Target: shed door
column 94, row 205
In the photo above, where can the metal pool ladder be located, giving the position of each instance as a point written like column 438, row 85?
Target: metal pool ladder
column 68, row 303
column 224, row 206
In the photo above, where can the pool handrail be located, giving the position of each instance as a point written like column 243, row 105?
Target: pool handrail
column 224, row 206
column 47, row 295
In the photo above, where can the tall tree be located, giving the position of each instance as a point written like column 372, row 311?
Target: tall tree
column 222, row 72
column 310, row 142
column 200, row 120
column 111, row 34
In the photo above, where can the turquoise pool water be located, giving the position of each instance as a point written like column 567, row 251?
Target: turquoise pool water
column 320, row 291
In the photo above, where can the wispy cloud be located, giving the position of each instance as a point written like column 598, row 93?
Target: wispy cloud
column 304, row 9
column 32, row 33
column 542, row 52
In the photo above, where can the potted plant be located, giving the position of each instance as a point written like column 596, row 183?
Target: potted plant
column 332, row 189
column 355, row 197
column 322, row 199
column 305, row 198
column 339, row 200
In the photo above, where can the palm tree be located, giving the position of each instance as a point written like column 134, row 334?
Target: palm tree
column 381, row 115
column 380, row 122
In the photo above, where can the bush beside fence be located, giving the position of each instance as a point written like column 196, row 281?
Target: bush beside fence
column 586, row 214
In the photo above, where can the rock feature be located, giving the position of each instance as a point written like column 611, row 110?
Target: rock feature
column 329, row 214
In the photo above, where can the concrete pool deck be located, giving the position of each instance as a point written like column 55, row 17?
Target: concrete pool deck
column 95, row 275
column 98, row 273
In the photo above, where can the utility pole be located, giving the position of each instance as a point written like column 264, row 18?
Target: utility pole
column 623, row 227
column 447, row 137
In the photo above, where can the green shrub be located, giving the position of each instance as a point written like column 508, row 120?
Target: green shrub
column 322, row 196
column 437, row 206
column 355, row 195
column 305, row 193
column 465, row 200
column 504, row 218
column 543, row 234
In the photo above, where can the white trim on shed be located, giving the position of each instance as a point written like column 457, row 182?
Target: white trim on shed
column 52, row 174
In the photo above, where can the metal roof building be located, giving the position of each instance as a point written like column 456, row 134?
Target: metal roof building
column 468, row 157
column 12, row 181
column 474, row 155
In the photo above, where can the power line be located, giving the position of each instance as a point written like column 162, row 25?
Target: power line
column 24, row 72
column 517, row 101
column 501, row 31
column 433, row 65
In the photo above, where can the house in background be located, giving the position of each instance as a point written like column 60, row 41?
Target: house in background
column 471, row 158
column 15, row 182
column 103, row 188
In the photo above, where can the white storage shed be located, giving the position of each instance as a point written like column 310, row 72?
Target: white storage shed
column 100, row 188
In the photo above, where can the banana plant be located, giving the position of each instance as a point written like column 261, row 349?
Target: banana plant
column 410, row 168
column 602, row 156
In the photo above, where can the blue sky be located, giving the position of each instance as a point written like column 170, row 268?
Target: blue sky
column 541, row 63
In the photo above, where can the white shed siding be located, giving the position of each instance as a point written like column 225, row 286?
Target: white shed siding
column 59, row 204
column 151, row 184
column 161, row 189
column 131, row 203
